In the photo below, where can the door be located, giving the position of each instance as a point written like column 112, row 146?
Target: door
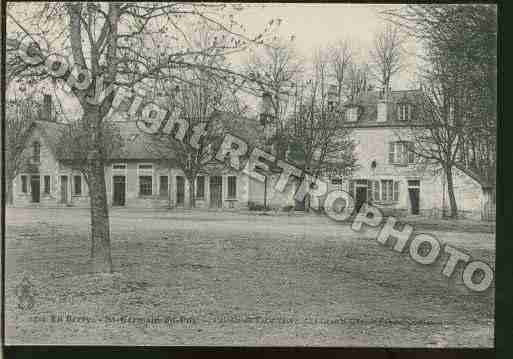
column 35, row 188
column 414, row 192
column 216, row 191
column 64, row 189
column 361, row 198
column 119, row 190
column 180, row 190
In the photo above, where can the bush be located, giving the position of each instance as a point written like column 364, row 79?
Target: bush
column 256, row 206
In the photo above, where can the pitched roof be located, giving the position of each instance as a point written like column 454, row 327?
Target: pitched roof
column 368, row 102
column 136, row 144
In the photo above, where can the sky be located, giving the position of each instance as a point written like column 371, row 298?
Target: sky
column 316, row 26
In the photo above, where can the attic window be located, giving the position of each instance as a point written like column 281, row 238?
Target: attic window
column 404, row 111
column 352, row 114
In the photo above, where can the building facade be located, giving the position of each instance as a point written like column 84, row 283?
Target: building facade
column 387, row 174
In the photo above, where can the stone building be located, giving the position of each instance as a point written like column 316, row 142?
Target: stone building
column 386, row 174
column 135, row 178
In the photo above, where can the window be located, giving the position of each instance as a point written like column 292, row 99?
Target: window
column 401, row 153
column 352, row 114
column 77, row 185
column 145, row 172
column 36, row 152
column 232, row 186
column 404, row 111
column 119, row 166
column 46, row 184
column 145, row 185
column 24, row 187
column 200, row 187
column 163, row 189
column 389, row 190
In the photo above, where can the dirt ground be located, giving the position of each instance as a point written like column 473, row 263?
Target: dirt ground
column 228, row 278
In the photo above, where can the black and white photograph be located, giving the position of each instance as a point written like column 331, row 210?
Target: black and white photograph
column 249, row 174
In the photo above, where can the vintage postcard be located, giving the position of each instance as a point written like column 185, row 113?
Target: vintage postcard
column 250, row 174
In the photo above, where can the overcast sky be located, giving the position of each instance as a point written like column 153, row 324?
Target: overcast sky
column 317, row 25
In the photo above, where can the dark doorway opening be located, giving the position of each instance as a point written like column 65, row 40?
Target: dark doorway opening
column 119, row 190
column 216, row 192
column 180, row 190
column 361, row 198
column 414, row 192
column 35, row 188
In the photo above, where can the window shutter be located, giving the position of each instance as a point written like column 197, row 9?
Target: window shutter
column 396, row 190
column 351, row 188
column 376, row 190
column 411, row 154
column 391, row 153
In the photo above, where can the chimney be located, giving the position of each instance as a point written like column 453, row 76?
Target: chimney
column 383, row 107
column 46, row 113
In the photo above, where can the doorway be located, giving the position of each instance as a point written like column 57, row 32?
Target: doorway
column 361, row 193
column 64, row 189
column 119, row 190
column 414, row 192
column 35, row 188
column 216, row 192
column 361, row 197
column 180, row 190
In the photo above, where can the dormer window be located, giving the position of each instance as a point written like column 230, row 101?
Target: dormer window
column 36, row 152
column 404, row 111
column 352, row 114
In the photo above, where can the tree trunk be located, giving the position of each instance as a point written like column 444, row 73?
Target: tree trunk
column 9, row 191
column 488, row 207
column 191, row 203
column 450, row 191
column 100, row 229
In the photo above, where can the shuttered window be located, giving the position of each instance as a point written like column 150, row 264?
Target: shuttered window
column 145, row 186
column 369, row 190
column 391, row 152
column 351, row 188
column 232, row 186
column 389, row 190
column 401, row 153
column 376, row 191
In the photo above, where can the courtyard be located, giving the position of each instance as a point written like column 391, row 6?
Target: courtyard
column 238, row 278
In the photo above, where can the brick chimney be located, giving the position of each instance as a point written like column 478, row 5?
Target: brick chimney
column 46, row 111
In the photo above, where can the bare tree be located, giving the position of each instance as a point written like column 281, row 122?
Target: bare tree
column 358, row 81
column 464, row 39
column 386, row 55
column 438, row 137
column 201, row 102
column 341, row 58
column 76, row 140
column 317, row 140
column 112, row 42
column 276, row 68
column 20, row 114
